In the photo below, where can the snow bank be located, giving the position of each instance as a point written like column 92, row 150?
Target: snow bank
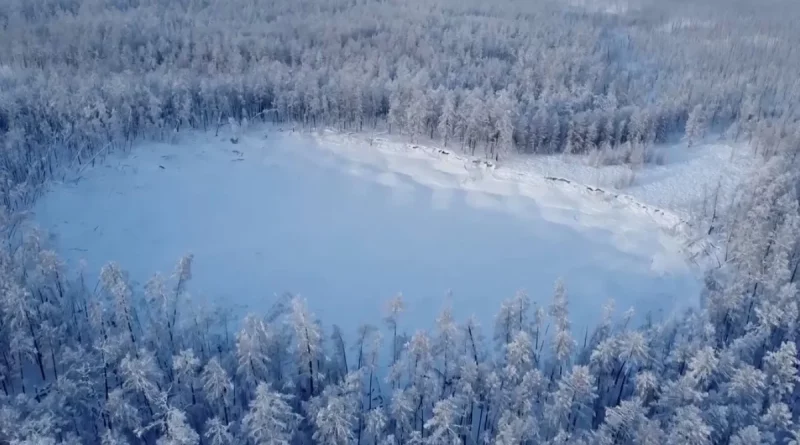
column 686, row 178
column 560, row 200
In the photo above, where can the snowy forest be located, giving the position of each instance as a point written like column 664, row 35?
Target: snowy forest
column 113, row 363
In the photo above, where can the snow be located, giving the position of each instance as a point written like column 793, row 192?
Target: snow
column 670, row 190
column 682, row 182
column 613, row 7
column 347, row 226
column 561, row 186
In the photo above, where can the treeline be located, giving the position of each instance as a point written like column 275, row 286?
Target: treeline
column 535, row 77
column 109, row 363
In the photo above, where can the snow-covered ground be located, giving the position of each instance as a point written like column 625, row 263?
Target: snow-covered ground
column 680, row 184
column 348, row 225
column 668, row 191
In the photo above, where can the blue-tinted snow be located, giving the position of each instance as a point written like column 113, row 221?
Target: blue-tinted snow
column 280, row 214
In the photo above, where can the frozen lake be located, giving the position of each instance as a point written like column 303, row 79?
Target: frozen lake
column 281, row 214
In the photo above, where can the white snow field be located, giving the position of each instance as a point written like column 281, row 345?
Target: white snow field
column 347, row 227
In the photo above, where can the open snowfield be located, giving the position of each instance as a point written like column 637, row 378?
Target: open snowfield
column 348, row 226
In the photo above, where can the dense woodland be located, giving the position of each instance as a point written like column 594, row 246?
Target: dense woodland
column 110, row 363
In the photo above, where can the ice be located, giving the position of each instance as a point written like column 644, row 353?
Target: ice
column 347, row 226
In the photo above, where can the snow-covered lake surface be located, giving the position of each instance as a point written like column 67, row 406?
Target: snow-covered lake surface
column 291, row 213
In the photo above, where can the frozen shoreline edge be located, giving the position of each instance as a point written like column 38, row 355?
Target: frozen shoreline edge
column 665, row 219
column 561, row 200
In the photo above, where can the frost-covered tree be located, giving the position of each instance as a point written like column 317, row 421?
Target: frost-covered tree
column 782, row 370
column 141, row 375
column 688, row 427
column 396, row 307
column 176, row 430
column 446, row 125
column 503, row 124
column 308, row 345
column 570, row 405
column 334, row 413
column 696, row 125
column 563, row 344
column 445, row 349
column 252, row 350
column 217, row 386
column 217, row 432
column 186, row 367
column 270, row 419
column 443, row 426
